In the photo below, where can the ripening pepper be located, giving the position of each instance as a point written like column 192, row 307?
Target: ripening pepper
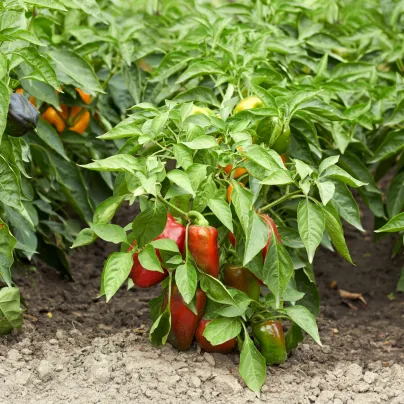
column 183, row 321
column 202, row 110
column 242, row 279
column 144, row 278
column 22, row 116
column 202, row 244
column 272, row 229
column 76, row 118
column 225, row 348
column 238, row 172
column 84, row 96
column 270, row 336
column 248, row 103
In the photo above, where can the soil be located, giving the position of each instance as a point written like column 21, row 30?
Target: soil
column 75, row 348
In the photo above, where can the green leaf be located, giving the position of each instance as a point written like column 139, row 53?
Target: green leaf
column 51, row 4
column 334, row 230
column 395, row 195
column 9, row 185
column 252, row 365
column 278, row 177
column 393, row 225
column 392, row 144
column 293, row 337
column 302, row 169
column 260, row 156
column 186, row 280
column 10, row 310
column 161, row 328
column 85, row 237
column 339, row 174
column 257, row 237
column 4, row 101
column 126, row 128
column 222, row 211
column 304, row 283
column 216, row 290
column 120, row 163
column 106, row 210
column 202, row 142
column 346, row 206
column 90, row 7
column 74, row 66
column 149, row 259
column 181, row 179
column 242, row 201
column 305, row 320
column 165, row 244
column 201, row 94
column 7, row 244
column 328, row 162
column 149, row 224
column 183, row 155
column 267, row 98
column 49, row 135
column 278, row 269
column 311, row 225
column 198, row 68
column 116, row 270
column 12, row 34
column 110, row 232
column 326, row 190
column 222, row 329
column 40, row 65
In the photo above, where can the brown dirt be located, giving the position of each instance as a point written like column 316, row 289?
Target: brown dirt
column 369, row 338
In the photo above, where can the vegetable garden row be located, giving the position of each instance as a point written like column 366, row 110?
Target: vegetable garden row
column 240, row 128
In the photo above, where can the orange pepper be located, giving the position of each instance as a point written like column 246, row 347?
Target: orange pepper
column 20, row 91
column 58, row 120
column 53, row 117
column 284, row 158
column 230, row 191
column 238, row 172
column 80, row 125
column 84, row 96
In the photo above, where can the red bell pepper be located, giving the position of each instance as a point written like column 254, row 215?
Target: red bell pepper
column 202, row 244
column 183, row 321
column 144, row 278
column 225, row 348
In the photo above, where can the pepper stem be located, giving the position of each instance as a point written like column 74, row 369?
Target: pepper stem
column 199, row 219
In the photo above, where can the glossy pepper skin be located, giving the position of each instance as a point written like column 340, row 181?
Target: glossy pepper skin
column 248, row 103
column 270, row 336
column 202, row 244
column 242, row 279
column 183, row 321
column 144, row 278
column 225, row 348
column 22, row 116
column 76, row 119
column 282, row 142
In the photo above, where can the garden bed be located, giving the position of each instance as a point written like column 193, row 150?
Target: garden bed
column 92, row 351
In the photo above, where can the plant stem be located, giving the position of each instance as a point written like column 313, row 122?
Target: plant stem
column 180, row 211
column 200, row 220
column 280, row 200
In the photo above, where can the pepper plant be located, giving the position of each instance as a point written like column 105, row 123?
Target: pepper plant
column 210, row 165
